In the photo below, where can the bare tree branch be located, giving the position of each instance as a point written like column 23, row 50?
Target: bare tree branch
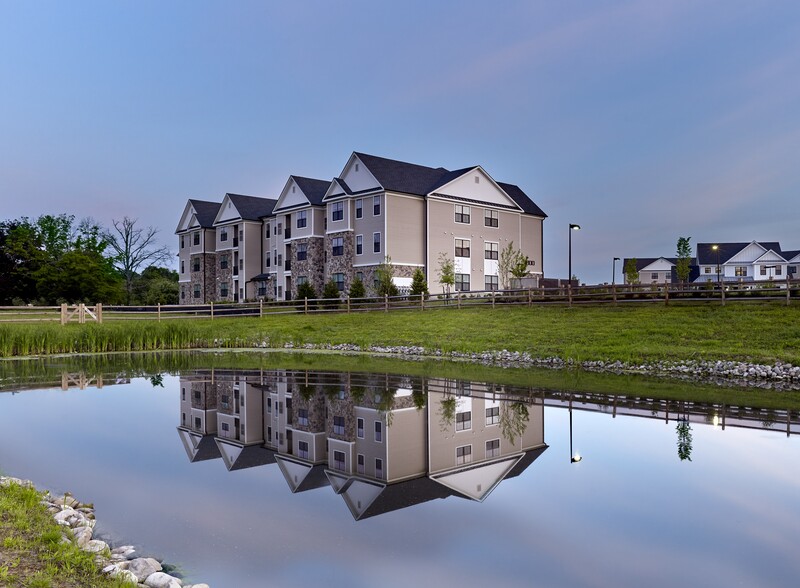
column 134, row 248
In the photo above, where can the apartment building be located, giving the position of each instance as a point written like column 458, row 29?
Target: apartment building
column 753, row 262
column 376, row 210
column 197, row 252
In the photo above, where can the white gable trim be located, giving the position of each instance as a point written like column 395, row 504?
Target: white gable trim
column 747, row 254
column 770, row 256
column 227, row 212
column 335, row 190
column 186, row 218
column 661, row 264
column 448, row 188
column 291, row 196
column 365, row 181
column 795, row 259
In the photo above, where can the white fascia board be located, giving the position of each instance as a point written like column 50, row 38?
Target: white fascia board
column 478, row 168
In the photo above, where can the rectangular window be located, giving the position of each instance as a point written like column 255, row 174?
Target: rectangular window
column 360, row 428
column 196, row 238
column 196, row 292
column 223, row 262
column 360, row 276
column 490, row 250
column 338, row 460
column 337, row 246
column 269, row 261
column 338, row 278
column 223, row 290
column 778, row 270
column 376, row 242
column 464, row 421
column 183, row 243
column 463, row 454
column 360, row 462
column 279, row 229
column 493, row 415
column 740, row 270
column 302, row 416
column 493, row 448
column 763, row 269
column 490, row 218
column 223, row 235
column 302, row 280
column 462, row 282
column 302, row 219
column 302, row 251
column 359, row 208
column 225, row 426
column 491, row 283
column 269, row 405
column 359, row 244
column 462, row 247
column 337, row 211
column 462, row 214
column 379, row 468
column 376, row 206
column 266, row 234
column 378, row 431
column 183, row 269
column 338, row 425
column 654, row 276
column 196, row 264
column 302, row 449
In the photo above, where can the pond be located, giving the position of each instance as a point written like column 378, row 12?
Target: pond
column 283, row 475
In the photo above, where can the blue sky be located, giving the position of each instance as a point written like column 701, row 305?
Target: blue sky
column 642, row 121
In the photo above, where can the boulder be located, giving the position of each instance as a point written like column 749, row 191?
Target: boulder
column 95, row 546
column 162, row 580
column 142, row 567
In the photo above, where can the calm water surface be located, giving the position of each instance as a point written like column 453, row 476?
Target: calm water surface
column 286, row 478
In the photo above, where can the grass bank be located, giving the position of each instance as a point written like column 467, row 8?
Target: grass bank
column 32, row 554
column 758, row 332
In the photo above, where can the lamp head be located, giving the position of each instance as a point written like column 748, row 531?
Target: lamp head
column 714, row 247
column 616, row 259
column 577, row 457
column 575, row 227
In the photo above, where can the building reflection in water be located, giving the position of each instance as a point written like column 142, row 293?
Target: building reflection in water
column 382, row 442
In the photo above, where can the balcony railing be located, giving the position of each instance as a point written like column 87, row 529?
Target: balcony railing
column 287, row 233
column 235, row 271
column 236, row 242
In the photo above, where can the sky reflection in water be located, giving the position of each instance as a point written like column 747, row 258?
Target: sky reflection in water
column 630, row 514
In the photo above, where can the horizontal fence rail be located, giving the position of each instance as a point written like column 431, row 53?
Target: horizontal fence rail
column 614, row 294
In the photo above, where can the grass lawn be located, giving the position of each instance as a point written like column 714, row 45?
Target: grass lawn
column 759, row 332
column 32, row 554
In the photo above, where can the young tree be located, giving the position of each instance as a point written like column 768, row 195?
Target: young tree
column 631, row 273
column 512, row 264
column 684, row 258
column 357, row 289
column 331, row 293
column 418, row 284
column 305, row 291
column 446, row 272
column 134, row 247
column 384, row 273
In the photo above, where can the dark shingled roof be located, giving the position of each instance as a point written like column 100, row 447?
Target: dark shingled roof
column 313, row 189
column 252, row 207
column 788, row 255
column 409, row 178
column 205, row 211
column 643, row 262
column 707, row 256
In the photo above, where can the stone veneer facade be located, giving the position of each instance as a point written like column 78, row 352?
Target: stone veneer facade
column 340, row 263
column 312, row 267
column 206, row 278
column 369, row 275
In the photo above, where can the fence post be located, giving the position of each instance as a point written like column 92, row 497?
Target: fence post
column 159, row 312
column 530, row 297
column 385, row 303
column 788, row 288
column 458, row 300
column 260, row 308
column 722, row 293
column 305, row 305
column 212, row 311
column 348, row 305
column 614, row 292
column 666, row 294
column 422, row 301
column 81, row 314
column 492, row 294
column 569, row 292
column 99, row 312
column 63, row 314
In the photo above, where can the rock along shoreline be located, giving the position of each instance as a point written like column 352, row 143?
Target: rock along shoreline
column 77, row 520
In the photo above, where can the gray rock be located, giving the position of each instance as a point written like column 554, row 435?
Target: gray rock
column 95, row 546
column 82, row 536
column 162, row 580
column 143, row 567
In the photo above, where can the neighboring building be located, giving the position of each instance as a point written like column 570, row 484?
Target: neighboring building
column 756, row 261
column 378, row 209
column 197, row 252
column 653, row 270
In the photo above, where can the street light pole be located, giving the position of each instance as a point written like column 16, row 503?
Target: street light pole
column 573, row 457
column 614, row 270
column 572, row 227
column 716, row 248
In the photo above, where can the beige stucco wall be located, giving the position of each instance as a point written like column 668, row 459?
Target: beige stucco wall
column 405, row 230
column 367, row 226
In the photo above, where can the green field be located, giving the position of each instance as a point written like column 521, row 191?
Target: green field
column 759, row 332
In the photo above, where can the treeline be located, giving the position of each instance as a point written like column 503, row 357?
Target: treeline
column 52, row 259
